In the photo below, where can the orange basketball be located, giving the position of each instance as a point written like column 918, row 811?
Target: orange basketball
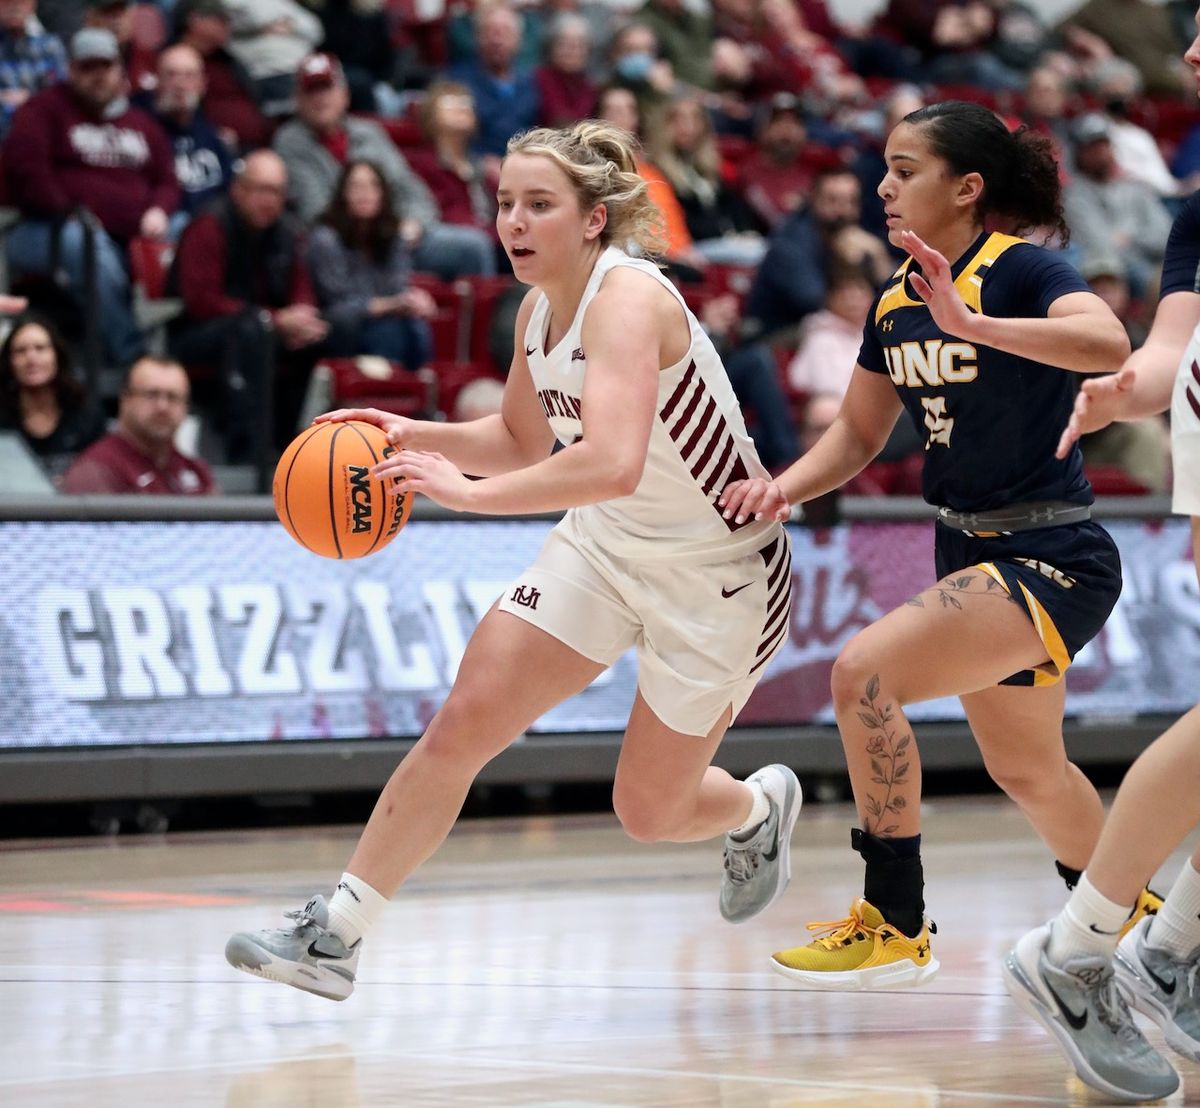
column 326, row 497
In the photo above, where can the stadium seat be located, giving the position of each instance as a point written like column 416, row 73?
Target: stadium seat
column 455, row 311
column 149, row 262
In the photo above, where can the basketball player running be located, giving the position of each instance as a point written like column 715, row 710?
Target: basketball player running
column 609, row 360
column 1063, row 973
column 976, row 336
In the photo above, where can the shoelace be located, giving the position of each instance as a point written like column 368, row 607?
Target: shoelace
column 839, row 930
column 1109, row 1004
column 303, row 916
column 741, row 863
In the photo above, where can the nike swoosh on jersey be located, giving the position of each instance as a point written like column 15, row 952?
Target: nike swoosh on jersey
column 727, row 593
column 530, row 350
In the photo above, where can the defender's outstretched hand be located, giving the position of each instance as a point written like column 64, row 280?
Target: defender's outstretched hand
column 754, row 497
column 1100, row 400
column 936, row 288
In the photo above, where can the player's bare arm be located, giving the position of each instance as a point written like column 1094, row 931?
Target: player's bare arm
column 1080, row 332
column 1142, row 387
column 863, row 424
column 623, row 334
column 517, row 437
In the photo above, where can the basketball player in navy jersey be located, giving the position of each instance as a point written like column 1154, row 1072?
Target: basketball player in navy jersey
column 1075, row 974
column 609, row 361
column 976, row 336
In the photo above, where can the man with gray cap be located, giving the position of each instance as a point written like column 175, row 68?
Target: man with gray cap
column 80, row 145
column 1110, row 214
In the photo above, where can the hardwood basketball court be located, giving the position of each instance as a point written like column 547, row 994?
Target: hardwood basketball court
column 545, row 962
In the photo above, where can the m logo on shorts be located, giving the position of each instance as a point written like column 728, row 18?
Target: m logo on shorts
column 527, row 596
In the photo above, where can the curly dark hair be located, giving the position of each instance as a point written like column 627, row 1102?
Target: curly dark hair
column 67, row 388
column 376, row 237
column 1020, row 175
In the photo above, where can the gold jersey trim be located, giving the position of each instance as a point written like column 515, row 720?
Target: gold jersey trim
column 969, row 282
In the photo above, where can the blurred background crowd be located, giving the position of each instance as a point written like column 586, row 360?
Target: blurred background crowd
column 227, row 215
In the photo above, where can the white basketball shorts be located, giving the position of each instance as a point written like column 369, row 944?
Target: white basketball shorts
column 704, row 633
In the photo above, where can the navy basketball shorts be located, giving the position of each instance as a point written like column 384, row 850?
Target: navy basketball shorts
column 1067, row 579
column 704, row 633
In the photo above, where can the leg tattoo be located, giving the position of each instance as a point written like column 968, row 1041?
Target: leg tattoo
column 888, row 768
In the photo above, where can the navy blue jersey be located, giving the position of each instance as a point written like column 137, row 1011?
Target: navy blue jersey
column 992, row 420
column 1181, row 263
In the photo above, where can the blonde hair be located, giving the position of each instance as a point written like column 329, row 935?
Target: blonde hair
column 600, row 161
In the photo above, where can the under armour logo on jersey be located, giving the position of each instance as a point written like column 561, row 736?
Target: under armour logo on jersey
column 577, row 355
column 887, row 325
column 527, row 596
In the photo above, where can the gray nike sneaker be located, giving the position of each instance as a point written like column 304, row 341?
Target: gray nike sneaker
column 1163, row 987
column 1080, row 1005
column 758, row 869
column 306, row 956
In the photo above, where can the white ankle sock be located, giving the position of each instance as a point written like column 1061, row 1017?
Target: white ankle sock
column 759, row 811
column 354, row 908
column 1090, row 924
column 1176, row 928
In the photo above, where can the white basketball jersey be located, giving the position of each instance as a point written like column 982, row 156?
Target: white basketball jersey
column 1185, row 431
column 698, row 442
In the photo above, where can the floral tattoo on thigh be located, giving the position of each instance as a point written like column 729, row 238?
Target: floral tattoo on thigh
column 948, row 591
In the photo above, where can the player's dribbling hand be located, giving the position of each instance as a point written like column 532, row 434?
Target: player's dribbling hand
column 1100, row 400
column 398, row 428
column 754, row 497
column 427, row 473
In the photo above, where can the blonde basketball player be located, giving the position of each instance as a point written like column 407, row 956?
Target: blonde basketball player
column 609, row 361
column 1068, row 973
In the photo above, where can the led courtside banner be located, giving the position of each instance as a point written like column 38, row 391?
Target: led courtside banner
column 144, row 633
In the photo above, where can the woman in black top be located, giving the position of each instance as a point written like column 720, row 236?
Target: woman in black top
column 42, row 398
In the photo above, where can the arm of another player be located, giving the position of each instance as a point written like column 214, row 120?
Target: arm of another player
column 623, row 336
column 1078, row 333
column 517, row 437
column 1144, row 384
column 865, row 420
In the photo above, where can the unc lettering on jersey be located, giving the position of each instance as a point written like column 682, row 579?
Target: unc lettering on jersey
column 933, row 362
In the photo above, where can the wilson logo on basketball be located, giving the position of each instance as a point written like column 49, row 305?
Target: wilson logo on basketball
column 360, row 498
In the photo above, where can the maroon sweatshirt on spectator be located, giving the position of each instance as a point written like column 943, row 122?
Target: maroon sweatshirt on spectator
column 116, row 465
column 59, row 155
column 203, row 280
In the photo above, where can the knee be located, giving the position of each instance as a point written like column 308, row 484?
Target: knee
column 460, row 734
column 855, row 675
column 645, row 818
column 1024, row 781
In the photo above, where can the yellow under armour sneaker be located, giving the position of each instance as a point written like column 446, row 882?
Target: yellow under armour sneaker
column 1147, row 904
column 863, row 951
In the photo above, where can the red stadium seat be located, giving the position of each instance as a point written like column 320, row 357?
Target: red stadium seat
column 1111, row 480
column 455, row 309
column 378, row 383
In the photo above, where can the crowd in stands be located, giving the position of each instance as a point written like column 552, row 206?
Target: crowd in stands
column 304, row 183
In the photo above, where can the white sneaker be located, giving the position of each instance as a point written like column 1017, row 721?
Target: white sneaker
column 758, row 869
column 307, row 956
column 1163, row 987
